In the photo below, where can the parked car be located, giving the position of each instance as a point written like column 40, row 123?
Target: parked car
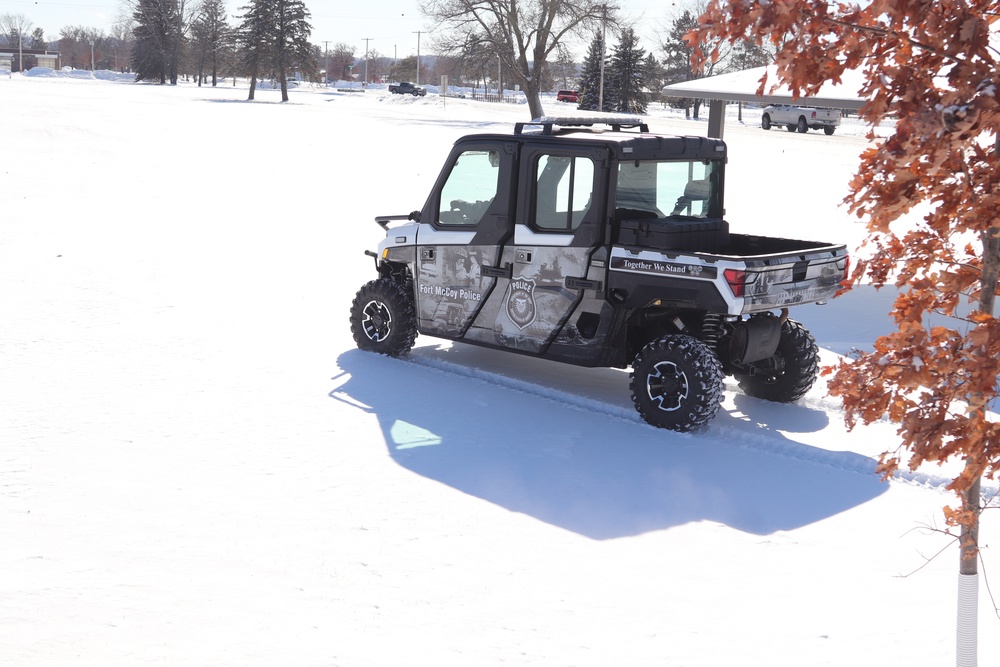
column 407, row 88
column 568, row 96
column 801, row 119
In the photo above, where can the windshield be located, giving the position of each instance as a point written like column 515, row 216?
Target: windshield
column 659, row 189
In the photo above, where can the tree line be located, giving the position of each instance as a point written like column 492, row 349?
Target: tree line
column 488, row 43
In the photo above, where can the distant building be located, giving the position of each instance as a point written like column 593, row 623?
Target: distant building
column 32, row 58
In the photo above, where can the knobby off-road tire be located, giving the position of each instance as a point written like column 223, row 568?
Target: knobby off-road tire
column 801, row 356
column 383, row 318
column 676, row 383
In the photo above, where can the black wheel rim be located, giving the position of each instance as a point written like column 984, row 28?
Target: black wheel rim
column 667, row 386
column 376, row 321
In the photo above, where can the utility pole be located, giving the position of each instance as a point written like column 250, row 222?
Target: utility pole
column 604, row 33
column 418, row 33
column 20, row 54
column 326, row 56
column 367, row 39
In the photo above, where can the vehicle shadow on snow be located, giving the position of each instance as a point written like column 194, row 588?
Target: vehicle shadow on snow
column 599, row 473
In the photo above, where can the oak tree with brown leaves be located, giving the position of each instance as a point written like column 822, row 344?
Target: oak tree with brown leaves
column 929, row 65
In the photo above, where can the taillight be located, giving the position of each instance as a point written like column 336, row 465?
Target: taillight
column 737, row 280
column 813, row 114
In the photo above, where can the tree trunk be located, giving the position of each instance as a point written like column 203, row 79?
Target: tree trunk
column 968, row 569
column 967, row 641
column 253, row 84
column 534, row 100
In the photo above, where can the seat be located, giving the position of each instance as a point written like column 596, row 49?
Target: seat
column 698, row 190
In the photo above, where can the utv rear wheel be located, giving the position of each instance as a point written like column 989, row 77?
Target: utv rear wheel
column 799, row 357
column 383, row 319
column 676, row 383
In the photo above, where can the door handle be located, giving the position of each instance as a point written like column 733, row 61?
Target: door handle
column 505, row 271
column 573, row 282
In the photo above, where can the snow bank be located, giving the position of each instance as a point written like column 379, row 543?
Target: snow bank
column 69, row 73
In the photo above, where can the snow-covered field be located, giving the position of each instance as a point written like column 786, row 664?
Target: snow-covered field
column 197, row 467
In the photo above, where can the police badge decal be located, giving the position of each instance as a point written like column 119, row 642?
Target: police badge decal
column 521, row 302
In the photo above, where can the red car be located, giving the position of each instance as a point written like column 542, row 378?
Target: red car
column 568, row 96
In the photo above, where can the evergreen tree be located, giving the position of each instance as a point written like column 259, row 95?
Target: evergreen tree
column 177, row 41
column 292, row 50
column 211, row 36
column 677, row 58
column 254, row 36
column 747, row 55
column 627, row 75
column 154, row 32
column 590, row 78
column 274, row 37
column 38, row 39
column 654, row 73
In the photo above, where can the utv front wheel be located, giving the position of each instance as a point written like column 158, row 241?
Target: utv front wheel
column 676, row 383
column 383, row 319
column 798, row 361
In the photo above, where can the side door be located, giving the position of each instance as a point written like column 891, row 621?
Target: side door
column 559, row 224
column 463, row 228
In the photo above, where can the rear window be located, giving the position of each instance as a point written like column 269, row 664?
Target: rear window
column 663, row 189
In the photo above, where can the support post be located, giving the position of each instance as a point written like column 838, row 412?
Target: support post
column 716, row 118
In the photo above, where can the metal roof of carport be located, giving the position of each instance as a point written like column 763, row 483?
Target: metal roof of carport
column 742, row 87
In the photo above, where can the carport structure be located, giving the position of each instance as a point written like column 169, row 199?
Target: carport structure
column 742, row 87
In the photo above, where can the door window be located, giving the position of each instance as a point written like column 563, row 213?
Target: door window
column 470, row 188
column 563, row 190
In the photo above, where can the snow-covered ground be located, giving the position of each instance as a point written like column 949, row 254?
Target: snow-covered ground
column 197, row 467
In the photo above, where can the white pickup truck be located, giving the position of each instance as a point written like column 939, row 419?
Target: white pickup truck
column 799, row 118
